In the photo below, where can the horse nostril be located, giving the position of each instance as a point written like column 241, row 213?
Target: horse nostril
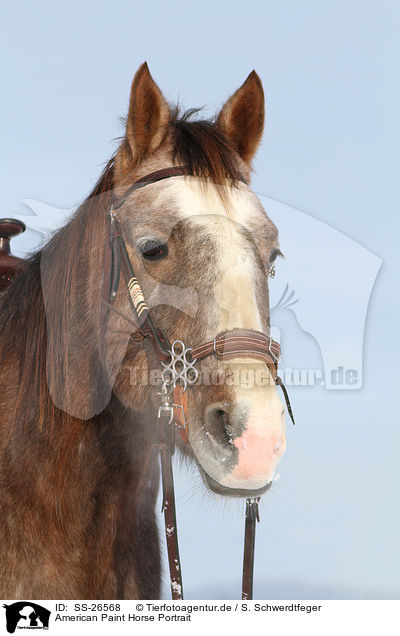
column 217, row 424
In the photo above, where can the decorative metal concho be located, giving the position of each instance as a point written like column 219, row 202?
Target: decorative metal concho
column 179, row 370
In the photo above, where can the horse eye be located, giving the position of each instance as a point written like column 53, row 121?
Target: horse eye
column 153, row 251
column 275, row 252
column 271, row 265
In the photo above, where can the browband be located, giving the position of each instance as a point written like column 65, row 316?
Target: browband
column 158, row 175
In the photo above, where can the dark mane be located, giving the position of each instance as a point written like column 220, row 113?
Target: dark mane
column 199, row 145
column 23, row 333
column 23, row 304
column 104, row 183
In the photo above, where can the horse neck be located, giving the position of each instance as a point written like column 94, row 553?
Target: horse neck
column 49, row 451
column 51, row 456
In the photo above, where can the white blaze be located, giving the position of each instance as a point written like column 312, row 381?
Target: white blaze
column 200, row 203
column 262, row 442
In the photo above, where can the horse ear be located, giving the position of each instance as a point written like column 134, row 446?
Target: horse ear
column 241, row 119
column 147, row 122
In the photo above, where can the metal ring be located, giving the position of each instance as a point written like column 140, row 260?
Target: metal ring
column 178, row 361
column 176, row 353
column 195, row 375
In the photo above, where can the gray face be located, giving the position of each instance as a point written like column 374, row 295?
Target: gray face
column 213, row 277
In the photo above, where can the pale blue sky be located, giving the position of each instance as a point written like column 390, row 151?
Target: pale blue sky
column 330, row 71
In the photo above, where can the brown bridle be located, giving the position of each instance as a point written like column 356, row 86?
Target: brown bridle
column 179, row 372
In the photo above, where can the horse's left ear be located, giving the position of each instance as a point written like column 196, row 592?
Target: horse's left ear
column 147, row 121
column 241, row 119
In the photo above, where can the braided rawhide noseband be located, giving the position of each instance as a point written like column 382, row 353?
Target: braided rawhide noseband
column 179, row 371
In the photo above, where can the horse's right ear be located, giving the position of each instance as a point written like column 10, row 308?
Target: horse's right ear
column 241, row 119
column 146, row 124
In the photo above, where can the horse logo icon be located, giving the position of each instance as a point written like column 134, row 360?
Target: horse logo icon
column 26, row 615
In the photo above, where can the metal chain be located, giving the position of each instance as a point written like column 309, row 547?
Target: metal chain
column 179, row 369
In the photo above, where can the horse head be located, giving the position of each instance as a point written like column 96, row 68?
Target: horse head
column 207, row 235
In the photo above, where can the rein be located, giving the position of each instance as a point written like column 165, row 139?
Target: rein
column 179, row 371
